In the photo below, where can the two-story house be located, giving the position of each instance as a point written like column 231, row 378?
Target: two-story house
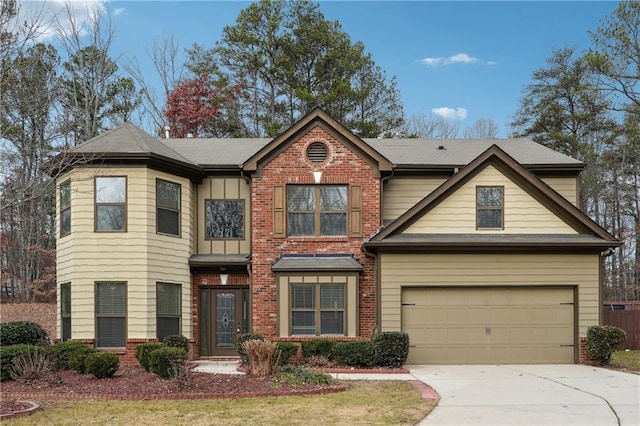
column 474, row 247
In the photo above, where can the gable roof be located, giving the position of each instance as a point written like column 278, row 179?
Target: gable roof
column 317, row 117
column 499, row 159
column 451, row 153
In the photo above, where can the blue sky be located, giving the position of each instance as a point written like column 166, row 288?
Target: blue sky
column 464, row 60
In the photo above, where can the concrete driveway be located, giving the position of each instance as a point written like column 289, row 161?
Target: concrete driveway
column 531, row 395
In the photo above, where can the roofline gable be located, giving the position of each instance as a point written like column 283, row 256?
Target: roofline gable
column 316, row 117
column 502, row 161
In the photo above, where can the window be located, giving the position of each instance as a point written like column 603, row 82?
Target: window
column 317, row 309
column 111, row 203
column 65, row 208
column 169, row 308
column 168, row 207
column 65, row 310
column 224, row 219
column 490, row 207
column 316, row 210
column 111, row 321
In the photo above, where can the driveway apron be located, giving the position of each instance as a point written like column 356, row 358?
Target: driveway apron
column 531, row 395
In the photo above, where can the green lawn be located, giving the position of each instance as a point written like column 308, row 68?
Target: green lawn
column 626, row 359
column 365, row 403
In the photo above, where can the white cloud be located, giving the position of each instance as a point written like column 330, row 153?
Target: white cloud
column 458, row 58
column 52, row 15
column 118, row 11
column 450, row 113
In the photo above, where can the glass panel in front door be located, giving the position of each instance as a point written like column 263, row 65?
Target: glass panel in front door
column 225, row 320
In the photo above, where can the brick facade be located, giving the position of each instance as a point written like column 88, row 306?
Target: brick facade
column 343, row 166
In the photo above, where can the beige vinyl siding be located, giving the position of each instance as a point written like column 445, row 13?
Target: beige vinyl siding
column 522, row 213
column 139, row 257
column 487, row 270
column 565, row 186
column 400, row 194
column 223, row 188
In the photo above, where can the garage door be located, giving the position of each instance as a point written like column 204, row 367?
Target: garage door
column 489, row 325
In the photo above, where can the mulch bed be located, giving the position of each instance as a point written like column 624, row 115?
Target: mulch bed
column 134, row 383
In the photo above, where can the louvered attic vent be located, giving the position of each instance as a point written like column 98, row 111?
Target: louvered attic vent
column 317, row 152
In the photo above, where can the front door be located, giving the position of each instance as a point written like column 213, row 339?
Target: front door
column 223, row 317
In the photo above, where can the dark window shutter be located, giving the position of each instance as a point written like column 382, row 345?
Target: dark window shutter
column 355, row 212
column 279, row 211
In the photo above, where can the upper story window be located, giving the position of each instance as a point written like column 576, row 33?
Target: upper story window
column 111, row 204
column 224, row 219
column 65, row 208
column 316, row 210
column 168, row 195
column 490, row 207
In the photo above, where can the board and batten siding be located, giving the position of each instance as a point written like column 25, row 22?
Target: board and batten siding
column 523, row 214
column 223, row 188
column 488, row 270
column 565, row 186
column 140, row 257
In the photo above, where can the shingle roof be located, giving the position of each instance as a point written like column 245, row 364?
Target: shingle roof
column 216, row 151
column 128, row 140
column 460, row 152
column 316, row 262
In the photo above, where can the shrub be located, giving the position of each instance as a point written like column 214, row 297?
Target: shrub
column 61, row 352
column 261, row 355
column 318, row 361
column 22, row 332
column 297, row 376
column 30, row 365
column 144, row 349
column 602, row 341
column 391, row 349
column 240, row 345
column 102, row 364
column 318, row 347
column 285, row 351
column 7, row 353
column 77, row 359
column 177, row 341
column 359, row 353
column 162, row 361
column 183, row 376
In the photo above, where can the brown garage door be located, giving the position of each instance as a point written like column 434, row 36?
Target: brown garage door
column 501, row 325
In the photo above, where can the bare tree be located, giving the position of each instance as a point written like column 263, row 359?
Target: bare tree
column 164, row 54
column 431, row 127
column 483, row 128
column 95, row 95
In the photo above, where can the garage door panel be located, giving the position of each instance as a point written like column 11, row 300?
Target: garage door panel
column 489, row 325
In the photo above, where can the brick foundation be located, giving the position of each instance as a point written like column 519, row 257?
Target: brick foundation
column 127, row 355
